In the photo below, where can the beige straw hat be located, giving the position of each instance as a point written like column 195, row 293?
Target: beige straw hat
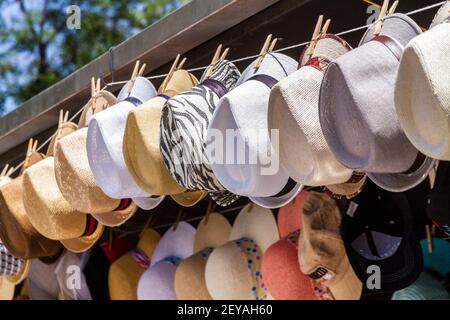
column 233, row 271
column 125, row 272
column 190, row 284
column 50, row 213
column 75, row 178
column 16, row 231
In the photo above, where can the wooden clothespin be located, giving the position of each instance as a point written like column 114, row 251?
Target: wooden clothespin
column 32, row 147
column 110, row 239
column 134, row 75
column 218, row 56
column 177, row 222
column 384, row 12
column 208, row 211
column 149, row 222
column 7, row 171
column 318, row 32
column 268, row 47
column 429, row 239
column 175, row 66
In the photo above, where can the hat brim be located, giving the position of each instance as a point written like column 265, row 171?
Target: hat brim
column 83, row 244
column 116, row 218
column 400, row 182
column 278, row 202
column 18, row 278
column 189, row 199
column 157, row 283
column 349, row 287
column 148, row 203
column 7, row 289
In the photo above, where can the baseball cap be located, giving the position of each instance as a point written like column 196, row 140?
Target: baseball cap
column 321, row 251
column 377, row 229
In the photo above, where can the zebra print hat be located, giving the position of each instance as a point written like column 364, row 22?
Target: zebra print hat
column 244, row 111
column 184, row 121
column 105, row 146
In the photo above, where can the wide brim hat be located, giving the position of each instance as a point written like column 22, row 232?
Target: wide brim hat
column 233, row 271
column 51, row 215
column 16, row 231
column 357, row 113
column 184, row 122
column 294, row 112
column 157, row 282
column 190, row 284
column 244, row 109
column 422, row 91
column 125, row 272
column 141, row 144
column 105, row 146
column 78, row 186
column 378, row 230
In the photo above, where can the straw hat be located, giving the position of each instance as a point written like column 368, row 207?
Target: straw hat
column 244, row 110
column 184, row 121
column 349, row 189
column 422, row 90
column 51, row 214
column 105, row 146
column 357, row 113
column 125, row 272
column 321, row 251
column 294, row 112
column 141, row 144
column 233, row 271
column 213, row 231
column 75, row 178
column 13, row 270
column 16, row 231
column 157, row 282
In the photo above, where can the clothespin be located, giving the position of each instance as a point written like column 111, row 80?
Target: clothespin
column 319, row 30
column 268, row 47
column 429, row 239
column 384, row 12
column 149, row 222
column 175, row 66
column 208, row 211
column 32, row 147
column 218, row 56
column 110, row 239
column 7, row 171
column 177, row 222
column 134, row 76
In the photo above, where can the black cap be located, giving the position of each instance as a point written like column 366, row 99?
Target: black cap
column 378, row 230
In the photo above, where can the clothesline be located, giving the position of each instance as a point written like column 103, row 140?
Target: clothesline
column 252, row 57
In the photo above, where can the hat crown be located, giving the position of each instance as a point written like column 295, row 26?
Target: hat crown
column 329, row 47
column 212, row 233
column 442, row 15
column 64, row 130
column 4, row 180
column 147, row 241
column 226, row 73
column 102, row 100
column 180, row 81
column 142, row 89
column 276, row 65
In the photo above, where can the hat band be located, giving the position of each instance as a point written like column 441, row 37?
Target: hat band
column 215, row 86
column 133, row 100
column 173, row 260
column 91, row 226
column 395, row 47
column 205, row 253
column 124, row 204
column 266, row 79
column 318, row 63
column 141, row 257
column 253, row 257
column 164, row 96
column 9, row 264
column 420, row 159
column 290, row 185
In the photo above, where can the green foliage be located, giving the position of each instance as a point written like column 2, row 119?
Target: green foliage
column 37, row 49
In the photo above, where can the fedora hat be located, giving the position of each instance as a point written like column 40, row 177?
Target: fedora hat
column 141, row 144
column 244, row 110
column 157, row 282
column 125, row 272
column 422, row 89
column 184, row 121
column 75, row 178
column 280, row 267
column 294, row 112
column 213, row 231
column 105, row 145
column 16, row 231
column 233, row 270
column 321, row 251
column 357, row 112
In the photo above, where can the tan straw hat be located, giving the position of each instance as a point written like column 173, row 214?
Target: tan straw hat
column 125, row 272
column 190, row 284
column 50, row 213
column 75, row 178
column 233, row 271
column 16, row 231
